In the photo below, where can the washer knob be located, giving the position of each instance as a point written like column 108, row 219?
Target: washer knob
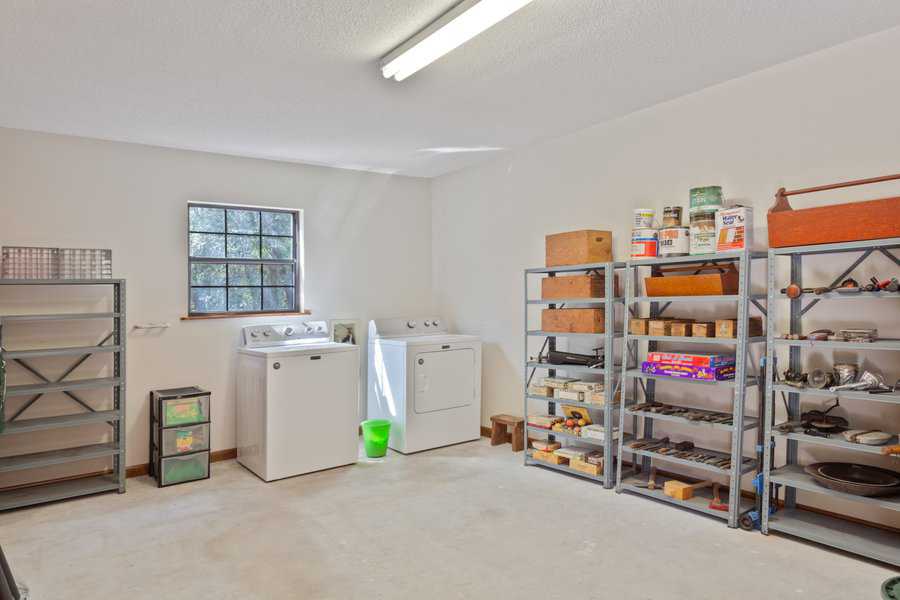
column 435, row 323
column 427, row 324
column 308, row 329
column 253, row 334
column 267, row 333
column 288, row 331
column 320, row 328
column 411, row 324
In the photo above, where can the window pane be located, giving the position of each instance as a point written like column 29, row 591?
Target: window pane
column 243, row 299
column 274, row 223
column 278, row 274
column 243, row 275
column 277, row 247
column 205, row 300
column 207, row 219
column 243, row 246
column 243, row 221
column 205, row 245
column 281, row 298
column 207, row 274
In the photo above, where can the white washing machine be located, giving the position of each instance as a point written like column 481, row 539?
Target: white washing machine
column 297, row 400
column 426, row 381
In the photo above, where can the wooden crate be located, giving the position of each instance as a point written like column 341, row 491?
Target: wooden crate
column 573, row 320
column 578, row 247
column 681, row 328
column 576, row 286
column 868, row 220
column 585, row 467
column 727, row 328
column 660, row 327
column 639, row 326
column 723, row 281
column 704, row 329
column 549, row 457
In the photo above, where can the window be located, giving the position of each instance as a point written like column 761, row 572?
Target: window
column 243, row 259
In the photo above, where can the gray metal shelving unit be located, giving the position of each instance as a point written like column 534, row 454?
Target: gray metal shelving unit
column 858, row 538
column 643, row 421
column 17, row 423
column 608, row 373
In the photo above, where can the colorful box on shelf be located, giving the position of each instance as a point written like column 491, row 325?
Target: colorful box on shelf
column 721, row 373
column 693, row 359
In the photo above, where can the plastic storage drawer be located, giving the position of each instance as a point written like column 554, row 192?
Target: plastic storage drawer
column 182, row 469
column 180, row 406
column 182, row 440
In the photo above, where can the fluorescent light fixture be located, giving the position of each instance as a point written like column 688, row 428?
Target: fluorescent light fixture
column 460, row 24
column 460, row 149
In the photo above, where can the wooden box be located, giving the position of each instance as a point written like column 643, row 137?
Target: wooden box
column 639, row 326
column 869, row 220
column 723, row 280
column 727, row 328
column 585, row 467
column 704, row 329
column 549, row 457
column 681, row 328
column 576, row 286
column 572, row 320
column 660, row 327
column 579, row 247
column 678, row 490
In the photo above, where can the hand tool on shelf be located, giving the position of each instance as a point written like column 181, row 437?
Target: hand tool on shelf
column 650, row 484
column 716, row 502
column 891, row 450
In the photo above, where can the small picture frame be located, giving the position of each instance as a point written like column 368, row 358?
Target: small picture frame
column 344, row 331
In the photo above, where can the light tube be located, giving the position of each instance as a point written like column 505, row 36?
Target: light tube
column 451, row 31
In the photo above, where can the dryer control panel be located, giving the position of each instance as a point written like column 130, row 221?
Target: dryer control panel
column 286, row 334
column 388, row 328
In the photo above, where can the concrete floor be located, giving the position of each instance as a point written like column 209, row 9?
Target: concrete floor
column 467, row 521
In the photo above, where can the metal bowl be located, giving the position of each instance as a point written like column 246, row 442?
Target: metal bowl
column 860, row 480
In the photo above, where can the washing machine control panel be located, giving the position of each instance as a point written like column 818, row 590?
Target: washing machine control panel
column 407, row 326
column 286, row 334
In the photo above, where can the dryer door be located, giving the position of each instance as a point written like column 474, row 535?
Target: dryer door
column 444, row 379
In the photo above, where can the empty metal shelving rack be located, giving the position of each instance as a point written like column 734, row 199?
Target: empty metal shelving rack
column 745, row 378
column 18, row 423
column 818, row 526
column 608, row 373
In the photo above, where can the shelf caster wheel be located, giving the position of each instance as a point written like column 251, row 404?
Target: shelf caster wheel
column 746, row 523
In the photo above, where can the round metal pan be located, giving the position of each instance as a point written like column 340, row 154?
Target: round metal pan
column 860, row 480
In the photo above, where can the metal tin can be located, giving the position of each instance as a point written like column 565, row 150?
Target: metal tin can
column 674, row 241
column 703, row 231
column 709, row 196
column 643, row 218
column 644, row 243
column 672, row 216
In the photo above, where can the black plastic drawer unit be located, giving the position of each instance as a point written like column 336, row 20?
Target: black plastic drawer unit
column 179, row 435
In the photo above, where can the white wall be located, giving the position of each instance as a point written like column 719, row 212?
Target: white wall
column 831, row 116
column 368, row 254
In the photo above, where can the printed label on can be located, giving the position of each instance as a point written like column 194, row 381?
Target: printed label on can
column 644, row 243
column 674, row 241
column 643, row 218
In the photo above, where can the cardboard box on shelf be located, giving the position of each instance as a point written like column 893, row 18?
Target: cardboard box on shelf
column 727, row 328
column 576, row 286
column 734, row 228
column 703, row 329
column 579, row 247
column 573, row 320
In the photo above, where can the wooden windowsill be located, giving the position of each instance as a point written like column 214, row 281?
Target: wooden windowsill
column 302, row 313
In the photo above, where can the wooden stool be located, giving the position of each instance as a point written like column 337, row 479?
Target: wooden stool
column 500, row 430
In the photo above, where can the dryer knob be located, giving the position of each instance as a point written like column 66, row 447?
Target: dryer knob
column 435, row 323
column 427, row 324
column 411, row 324
column 288, row 331
column 267, row 333
column 309, row 329
column 253, row 334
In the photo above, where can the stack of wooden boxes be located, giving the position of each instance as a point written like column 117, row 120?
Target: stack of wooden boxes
column 575, row 248
column 179, row 435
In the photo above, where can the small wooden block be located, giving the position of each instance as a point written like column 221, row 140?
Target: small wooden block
column 678, row 490
column 681, row 328
column 638, row 326
column 704, row 329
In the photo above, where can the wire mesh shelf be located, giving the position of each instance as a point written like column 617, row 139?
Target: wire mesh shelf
column 22, row 262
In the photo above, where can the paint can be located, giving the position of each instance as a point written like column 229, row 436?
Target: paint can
column 706, row 197
column 644, row 243
column 734, row 228
column 672, row 216
column 703, row 231
column 643, row 218
column 674, row 241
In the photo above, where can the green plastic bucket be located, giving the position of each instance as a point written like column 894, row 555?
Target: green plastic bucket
column 375, row 437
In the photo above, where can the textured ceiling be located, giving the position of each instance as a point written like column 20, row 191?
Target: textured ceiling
column 299, row 80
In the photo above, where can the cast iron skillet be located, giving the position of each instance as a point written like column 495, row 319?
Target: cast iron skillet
column 860, row 480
